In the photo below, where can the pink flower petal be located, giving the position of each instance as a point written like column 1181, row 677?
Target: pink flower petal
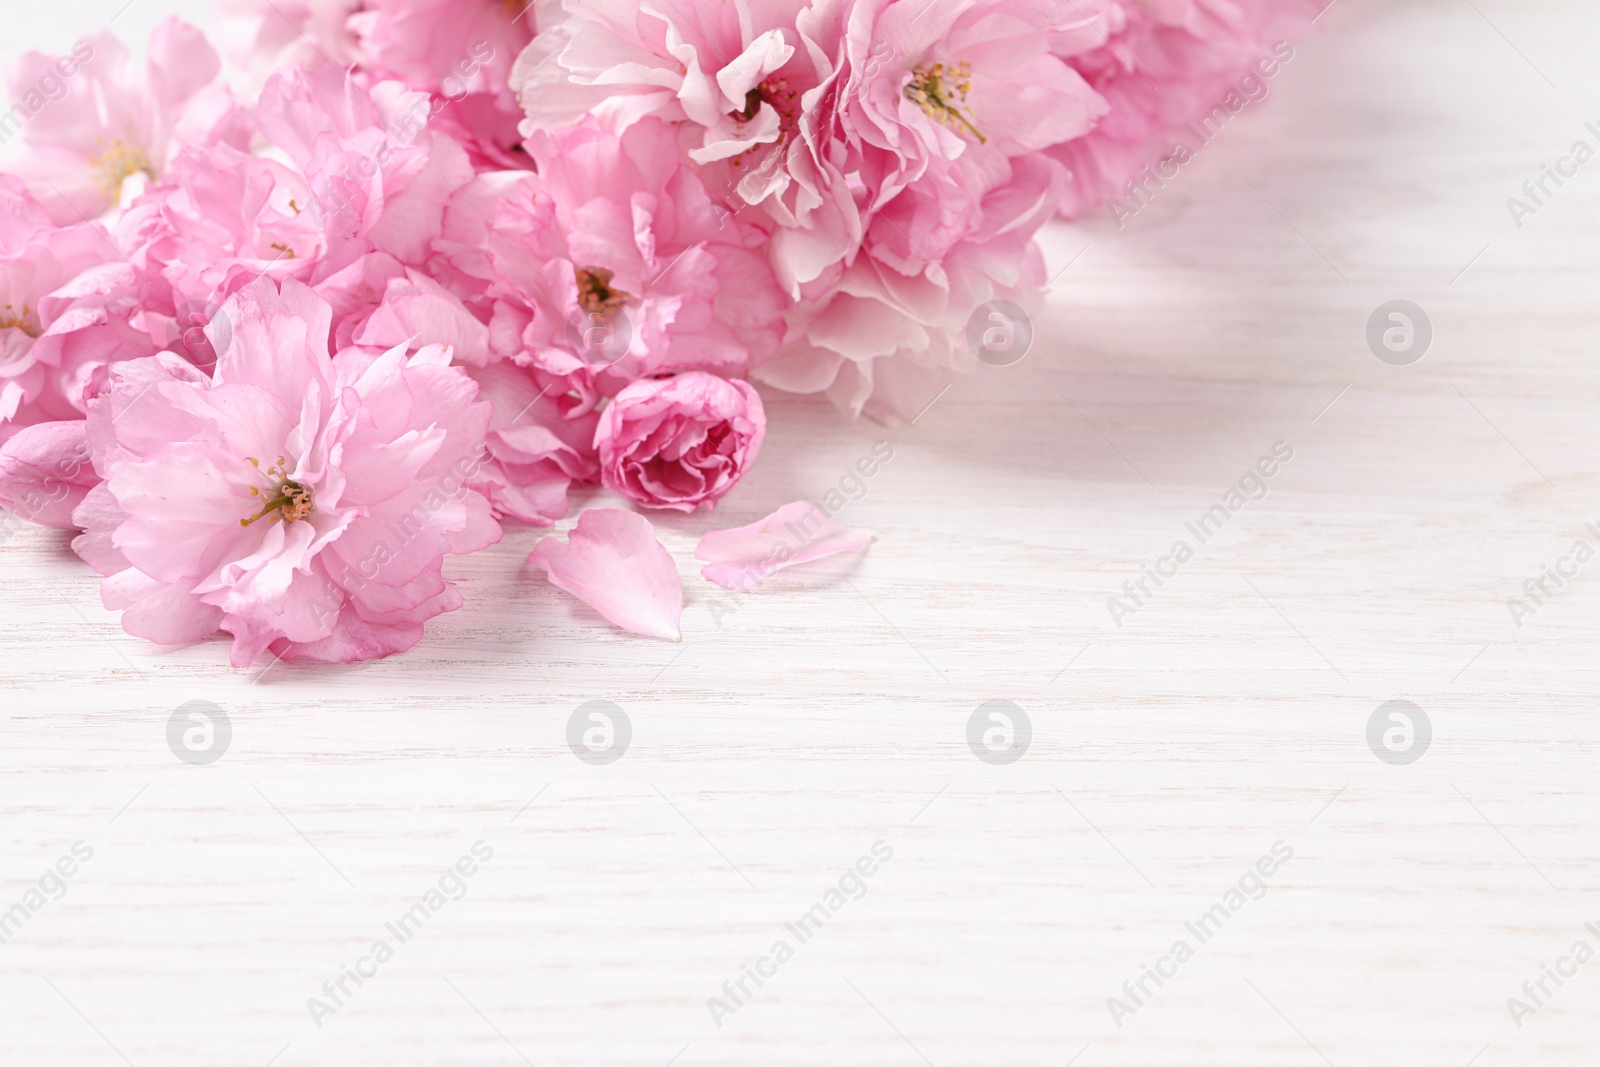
column 612, row 561
column 742, row 558
column 45, row 473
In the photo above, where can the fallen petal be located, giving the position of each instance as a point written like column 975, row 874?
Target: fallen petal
column 612, row 561
column 742, row 558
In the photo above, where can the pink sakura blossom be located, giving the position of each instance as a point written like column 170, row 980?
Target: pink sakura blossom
column 300, row 502
column 949, row 123
column 449, row 47
column 742, row 558
column 357, row 172
column 682, row 442
column 612, row 561
column 355, row 292
column 105, row 123
column 64, row 312
column 618, row 61
column 936, row 82
column 415, row 310
column 879, row 337
column 379, row 176
column 222, row 218
column 611, row 263
column 892, row 149
column 753, row 86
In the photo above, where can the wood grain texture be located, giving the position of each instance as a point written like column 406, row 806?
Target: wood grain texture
column 778, row 742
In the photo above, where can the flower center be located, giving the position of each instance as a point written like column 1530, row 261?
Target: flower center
column 774, row 91
column 283, row 498
column 24, row 320
column 941, row 93
column 595, row 293
column 118, row 162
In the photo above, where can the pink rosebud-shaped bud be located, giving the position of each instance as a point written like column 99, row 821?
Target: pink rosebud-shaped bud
column 680, row 442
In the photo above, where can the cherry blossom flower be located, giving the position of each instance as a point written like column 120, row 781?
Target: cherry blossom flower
column 962, row 78
column 379, row 176
column 356, row 171
column 459, row 52
column 114, row 123
column 301, row 502
column 753, row 83
column 879, row 336
column 612, row 262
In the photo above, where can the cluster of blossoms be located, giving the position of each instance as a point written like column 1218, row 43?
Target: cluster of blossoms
column 279, row 335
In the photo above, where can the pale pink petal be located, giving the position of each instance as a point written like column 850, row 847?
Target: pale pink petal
column 156, row 611
column 182, row 62
column 45, row 473
column 418, row 308
column 742, row 558
column 612, row 561
column 99, row 516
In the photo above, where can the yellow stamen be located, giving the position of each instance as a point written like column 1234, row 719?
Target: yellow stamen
column 117, row 163
column 288, row 499
column 24, row 320
column 941, row 93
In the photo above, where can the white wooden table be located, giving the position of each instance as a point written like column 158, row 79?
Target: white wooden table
column 778, row 743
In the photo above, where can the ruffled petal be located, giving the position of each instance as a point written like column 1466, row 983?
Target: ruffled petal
column 45, row 473
column 612, row 561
